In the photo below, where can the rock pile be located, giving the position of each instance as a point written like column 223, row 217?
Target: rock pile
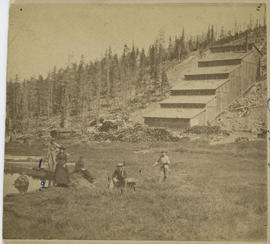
column 256, row 97
column 247, row 113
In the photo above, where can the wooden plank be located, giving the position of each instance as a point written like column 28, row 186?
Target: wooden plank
column 9, row 157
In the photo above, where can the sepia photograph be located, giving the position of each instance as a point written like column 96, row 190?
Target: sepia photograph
column 136, row 121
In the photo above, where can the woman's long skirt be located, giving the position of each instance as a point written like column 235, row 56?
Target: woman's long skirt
column 61, row 175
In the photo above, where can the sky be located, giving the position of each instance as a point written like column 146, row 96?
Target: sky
column 42, row 36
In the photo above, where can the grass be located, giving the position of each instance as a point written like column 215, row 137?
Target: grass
column 215, row 193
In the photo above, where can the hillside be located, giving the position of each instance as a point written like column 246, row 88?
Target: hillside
column 36, row 107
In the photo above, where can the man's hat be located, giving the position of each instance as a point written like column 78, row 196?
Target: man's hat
column 120, row 165
column 62, row 147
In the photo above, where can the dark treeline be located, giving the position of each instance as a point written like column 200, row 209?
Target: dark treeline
column 252, row 35
column 81, row 89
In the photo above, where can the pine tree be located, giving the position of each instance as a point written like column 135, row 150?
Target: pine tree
column 98, row 81
column 132, row 60
column 197, row 45
column 177, row 49
column 83, row 91
column 183, row 51
column 142, row 69
column 170, row 49
column 157, row 60
column 208, row 36
column 25, row 111
column 222, row 32
column 114, row 76
column 108, row 57
column 164, row 82
column 152, row 61
column 212, row 38
column 125, row 74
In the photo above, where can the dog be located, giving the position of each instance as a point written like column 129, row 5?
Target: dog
column 129, row 183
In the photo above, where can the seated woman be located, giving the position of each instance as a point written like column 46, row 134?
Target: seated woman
column 61, row 170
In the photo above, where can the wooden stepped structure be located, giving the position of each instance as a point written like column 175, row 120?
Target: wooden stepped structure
column 205, row 92
column 187, row 101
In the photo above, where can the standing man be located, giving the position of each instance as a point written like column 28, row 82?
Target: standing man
column 163, row 163
column 119, row 175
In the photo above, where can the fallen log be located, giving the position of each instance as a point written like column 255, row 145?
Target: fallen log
column 13, row 158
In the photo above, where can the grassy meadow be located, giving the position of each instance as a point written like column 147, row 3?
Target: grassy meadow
column 213, row 193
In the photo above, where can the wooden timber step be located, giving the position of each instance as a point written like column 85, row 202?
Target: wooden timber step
column 184, row 113
column 186, row 101
column 207, row 73
column 197, row 87
column 231, row 47
column 172, row 117
column 217, row 62
column 221, row 59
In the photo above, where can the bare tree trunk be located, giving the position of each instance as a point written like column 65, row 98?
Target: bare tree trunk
column 49, row 100
column 108, row 82
column 63, row 118
column 246, row 41
column 98, row 94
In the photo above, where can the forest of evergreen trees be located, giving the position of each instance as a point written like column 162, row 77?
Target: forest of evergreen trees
column 80, row 89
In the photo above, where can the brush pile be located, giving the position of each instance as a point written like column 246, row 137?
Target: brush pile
column 133, row 133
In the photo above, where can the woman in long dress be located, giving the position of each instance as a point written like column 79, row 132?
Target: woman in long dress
column 61, row 170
